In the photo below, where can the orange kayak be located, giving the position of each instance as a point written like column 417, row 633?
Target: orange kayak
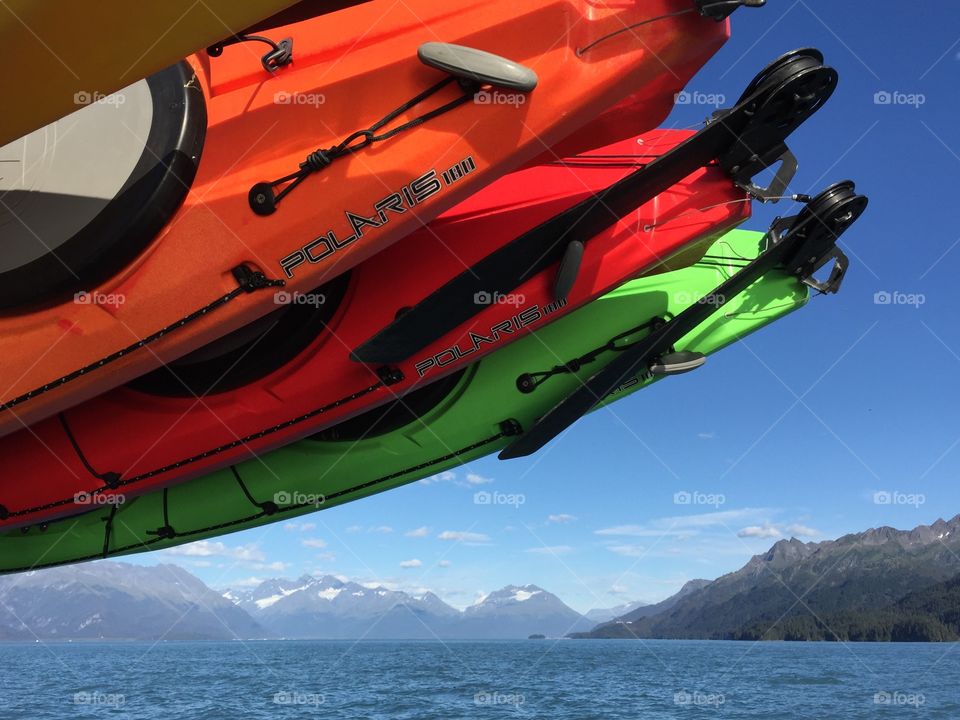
column 212, row 183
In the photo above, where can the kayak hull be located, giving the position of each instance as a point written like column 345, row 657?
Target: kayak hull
column 71, row 50
column 140, row 442
column 476, row 415
column 263, row 125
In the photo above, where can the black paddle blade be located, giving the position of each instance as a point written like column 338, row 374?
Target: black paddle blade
column 815, row 230
column 746, row 138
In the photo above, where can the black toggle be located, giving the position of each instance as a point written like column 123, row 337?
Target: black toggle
column 281, row 53
column 251, row 280
column 511, row 428
column 720, row 10
column 111, row 480
column 390, row 375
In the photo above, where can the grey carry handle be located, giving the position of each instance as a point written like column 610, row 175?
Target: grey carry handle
column 477, row 66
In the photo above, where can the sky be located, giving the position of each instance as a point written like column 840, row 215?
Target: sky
column 792, row 432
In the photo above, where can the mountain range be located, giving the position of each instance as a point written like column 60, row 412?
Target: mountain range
column 109, row 600
column 881, row 584
column 118, row 601
column 327, row 607
column 795, row 589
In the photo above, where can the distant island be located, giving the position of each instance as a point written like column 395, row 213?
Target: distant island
column 537, row 636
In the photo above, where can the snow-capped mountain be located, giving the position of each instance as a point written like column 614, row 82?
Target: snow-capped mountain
column 118, row 601
column 519, row 611
column 601, row 615
column 327, row 607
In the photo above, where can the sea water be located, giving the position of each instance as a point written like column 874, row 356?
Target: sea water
column 555, row 679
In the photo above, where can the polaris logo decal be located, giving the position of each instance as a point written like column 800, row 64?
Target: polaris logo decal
column 360, row 224
column 632, row 382
column 474, row 341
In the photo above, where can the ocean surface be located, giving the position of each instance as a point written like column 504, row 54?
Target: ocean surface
column 533, row 678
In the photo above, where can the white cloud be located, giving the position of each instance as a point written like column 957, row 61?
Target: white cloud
column 561, row 518
column 299, row 526
column 678, row 524
column 201, row 548
column 634, row 551
column 446, row 476
column 327, row 556
column 277, row 566
column 314, row 543
column 248, row 582
column 444, row 563
column 463, row 536
column 419, row 532
column 707, row 435
column 250, row 553
column 354, row 529
column 617, row 589
column 471, row 479
column 382, row 529
column 206, row 548
column 412, row 563
column 635, row 531
column 550, row 550
column 759, row 531
column 798, row 530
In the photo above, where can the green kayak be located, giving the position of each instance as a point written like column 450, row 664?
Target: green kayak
column 455, row 420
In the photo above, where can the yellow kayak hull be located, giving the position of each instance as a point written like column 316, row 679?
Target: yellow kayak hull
column 56, row 55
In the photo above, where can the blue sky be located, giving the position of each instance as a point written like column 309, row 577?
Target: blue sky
column 796, row 428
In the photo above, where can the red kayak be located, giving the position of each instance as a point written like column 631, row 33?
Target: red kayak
column 291, row 374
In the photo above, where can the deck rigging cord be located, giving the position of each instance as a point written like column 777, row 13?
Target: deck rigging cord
column 264, row 197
